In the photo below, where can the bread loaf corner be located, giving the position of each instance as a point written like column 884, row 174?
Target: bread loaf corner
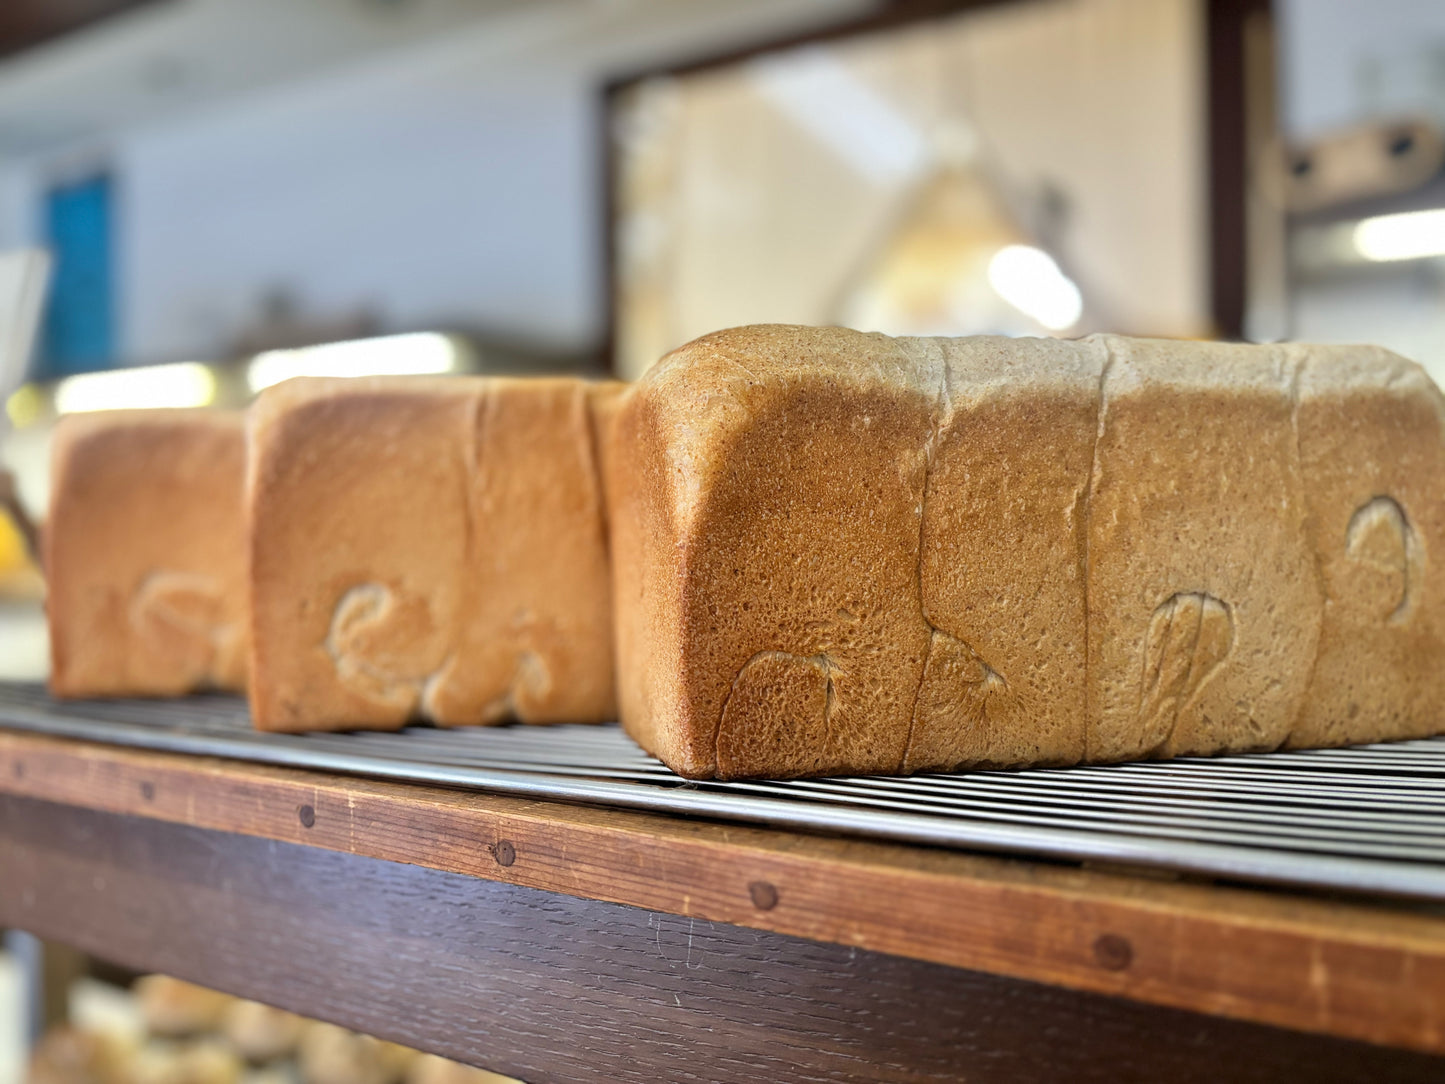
column 145, row 553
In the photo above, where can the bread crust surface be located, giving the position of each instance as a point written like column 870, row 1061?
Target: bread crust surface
column 145, row 553
column 838, row 552
column 428, row 548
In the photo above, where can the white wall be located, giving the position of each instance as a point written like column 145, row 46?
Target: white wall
column 12, row 1020
column 1347, row 61
column 452, row 182
column 432, row 193
column 455, row 180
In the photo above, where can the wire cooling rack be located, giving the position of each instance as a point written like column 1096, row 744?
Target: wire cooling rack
column 1366, row 819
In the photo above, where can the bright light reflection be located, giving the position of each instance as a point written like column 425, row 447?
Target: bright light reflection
column 1411, row 235
column 25, row 405
column 184, row 384
column 1029, row 280
column 391, row 355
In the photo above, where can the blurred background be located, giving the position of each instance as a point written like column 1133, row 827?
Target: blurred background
column 203, row 197
column 199, row 198
column 585, row 184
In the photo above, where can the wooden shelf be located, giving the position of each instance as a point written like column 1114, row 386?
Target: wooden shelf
column 566, row 943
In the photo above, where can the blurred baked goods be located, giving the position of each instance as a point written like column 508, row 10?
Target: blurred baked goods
column 201, row 1061
column 174, row 1009
column 192, row 1035
column 430, row 1069
column 333, row 1055
column 260, row 1033
column 68, row 1055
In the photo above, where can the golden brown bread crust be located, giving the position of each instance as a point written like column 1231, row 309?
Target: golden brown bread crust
column 1002, row 559
column 534, row 642
column 1371, row 432
column 1204, row 601
column 838, row 552
column 759, row 629
column 145, row 553
column 428, row 547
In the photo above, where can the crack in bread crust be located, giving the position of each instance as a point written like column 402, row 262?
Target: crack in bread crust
column 1381, row 524
column 1298, row 360
column 362, row 609
column 1101, row 407
column 530, row 677
column 800, row 692
column 178, row 614
column 942, row 411
column 1191, row 634
column 958, row 685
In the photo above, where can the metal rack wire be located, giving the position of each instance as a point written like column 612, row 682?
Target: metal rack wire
column 1367, row 819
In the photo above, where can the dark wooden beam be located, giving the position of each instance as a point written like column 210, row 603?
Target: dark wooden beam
column 28, row 23
column 1358, row 969
column 1229, row 98
column 552, row 988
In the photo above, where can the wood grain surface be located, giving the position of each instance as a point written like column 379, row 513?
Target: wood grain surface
column 1357, row 970
column 553, row 988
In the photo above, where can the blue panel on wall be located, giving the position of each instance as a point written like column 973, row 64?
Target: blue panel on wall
column 79, row 330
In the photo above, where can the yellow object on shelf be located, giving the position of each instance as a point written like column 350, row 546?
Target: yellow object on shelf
column 13, row 556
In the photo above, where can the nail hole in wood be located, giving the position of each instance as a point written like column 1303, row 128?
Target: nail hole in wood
column 307, row 816
column 765, row 895
column 1113, row 953
column 18, row 770
column 504, row 852
column 148, row 791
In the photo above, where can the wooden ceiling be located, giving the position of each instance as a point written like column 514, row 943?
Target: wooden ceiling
column 26, row 23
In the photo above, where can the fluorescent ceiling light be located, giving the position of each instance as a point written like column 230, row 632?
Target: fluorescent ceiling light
column 1029, row 280
column 391, row 355
column 185, row 384
column 817, row 91
column 1411, row 235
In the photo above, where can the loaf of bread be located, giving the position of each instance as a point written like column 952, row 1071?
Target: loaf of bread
column 428, row 547
column 145, row 553
column 842, row 553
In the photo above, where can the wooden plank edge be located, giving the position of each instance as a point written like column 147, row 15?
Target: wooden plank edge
column 1346, row 969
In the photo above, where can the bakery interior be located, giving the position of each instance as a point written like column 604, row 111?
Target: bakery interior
column 200, row 199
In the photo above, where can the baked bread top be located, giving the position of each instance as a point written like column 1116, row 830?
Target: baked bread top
column 841, row 552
